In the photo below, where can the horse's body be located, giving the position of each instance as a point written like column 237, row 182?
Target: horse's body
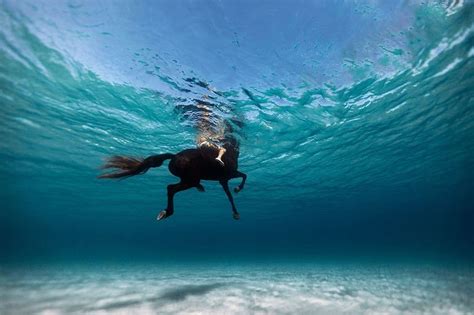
column 190, row 165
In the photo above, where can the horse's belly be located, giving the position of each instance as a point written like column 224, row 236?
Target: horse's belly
column 188, row 166
column 212, row 177
column 191, row 164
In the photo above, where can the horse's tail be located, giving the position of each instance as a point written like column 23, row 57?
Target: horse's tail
column 128, row 166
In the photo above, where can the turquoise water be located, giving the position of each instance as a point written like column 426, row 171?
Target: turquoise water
column 356, row 130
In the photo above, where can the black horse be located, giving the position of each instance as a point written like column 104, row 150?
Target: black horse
column 190, row 165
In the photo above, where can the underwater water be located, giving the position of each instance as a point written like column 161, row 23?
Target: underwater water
column 356, row 128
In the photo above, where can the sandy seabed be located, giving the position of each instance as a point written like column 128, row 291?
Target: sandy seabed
column 208, row 289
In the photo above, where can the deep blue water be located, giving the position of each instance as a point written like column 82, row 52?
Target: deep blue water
column 356, row 129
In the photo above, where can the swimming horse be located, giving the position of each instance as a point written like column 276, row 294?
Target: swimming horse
column 190, row 165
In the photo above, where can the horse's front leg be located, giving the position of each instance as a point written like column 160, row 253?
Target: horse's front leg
column 172, row 190
column 244, row 178
column 225, row 185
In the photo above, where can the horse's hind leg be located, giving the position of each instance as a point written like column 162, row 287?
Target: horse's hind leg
column 225, row 185
column 172, row 190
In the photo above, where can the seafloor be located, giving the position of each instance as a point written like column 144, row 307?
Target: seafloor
column 231, row 289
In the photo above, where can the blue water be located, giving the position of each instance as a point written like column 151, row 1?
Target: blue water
column 356, row 129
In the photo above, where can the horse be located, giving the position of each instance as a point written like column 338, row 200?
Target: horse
column 190, row 165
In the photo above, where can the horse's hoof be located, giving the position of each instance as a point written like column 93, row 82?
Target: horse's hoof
column 162, row 215
column 236, row 189
column 236, row 216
